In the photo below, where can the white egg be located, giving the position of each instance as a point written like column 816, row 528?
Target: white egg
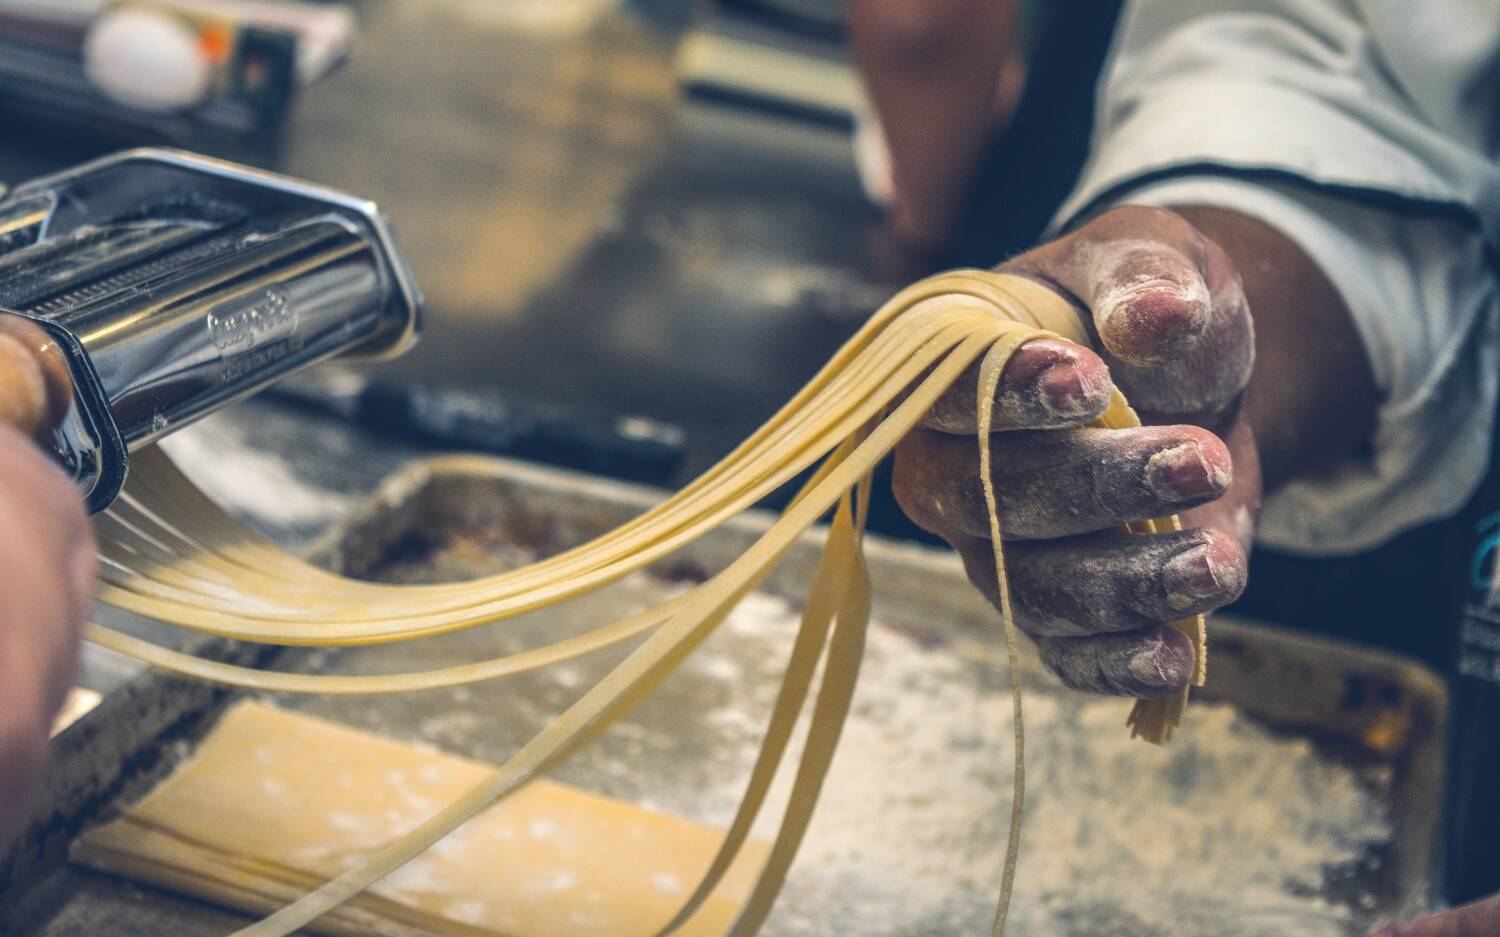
column 147, row 59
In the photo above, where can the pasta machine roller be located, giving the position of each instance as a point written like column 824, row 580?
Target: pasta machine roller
column 154, row 286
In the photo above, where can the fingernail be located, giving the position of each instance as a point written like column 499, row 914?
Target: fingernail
column 1189, row 576
column 1151, row 318
column 1065, row 392
column 1162, row 664
column 1182, row 473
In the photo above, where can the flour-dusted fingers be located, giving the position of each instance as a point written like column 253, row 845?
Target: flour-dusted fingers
column 1058, row 483
column 1110, row 582
column 1144, row 664
column 1047, row 384
column 1167, row 305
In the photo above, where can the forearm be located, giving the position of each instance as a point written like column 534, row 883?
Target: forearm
column 932, row 68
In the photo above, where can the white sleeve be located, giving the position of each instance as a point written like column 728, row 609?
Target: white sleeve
column 1422, row 295
column 1394, row 101
column 1366, row 131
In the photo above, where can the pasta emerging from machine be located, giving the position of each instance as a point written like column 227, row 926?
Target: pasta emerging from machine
column 254, row 276
column 171, row 554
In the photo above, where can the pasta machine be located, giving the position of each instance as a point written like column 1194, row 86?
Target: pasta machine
column 154, row 286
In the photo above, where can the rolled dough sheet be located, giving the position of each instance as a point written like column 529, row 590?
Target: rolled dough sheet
column 273, row 803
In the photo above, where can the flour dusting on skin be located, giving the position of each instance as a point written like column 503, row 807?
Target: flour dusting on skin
column 1129, row 270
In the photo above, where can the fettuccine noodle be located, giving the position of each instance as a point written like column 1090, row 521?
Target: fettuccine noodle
column 171, row 554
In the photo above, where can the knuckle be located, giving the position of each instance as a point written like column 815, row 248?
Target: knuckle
column 1143, row 664
column 913, row 481
column 936, row 483
column 1167, row 231
column 1121, row 217
column 1074, row 588
column 1149, row 217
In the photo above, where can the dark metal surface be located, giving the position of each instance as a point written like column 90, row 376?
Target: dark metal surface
column 478, row 418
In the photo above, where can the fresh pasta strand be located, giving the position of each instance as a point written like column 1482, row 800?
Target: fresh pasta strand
column 989, row 380
column 168, row 552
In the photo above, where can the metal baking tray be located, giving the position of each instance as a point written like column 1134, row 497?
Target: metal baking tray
column 1300, row 799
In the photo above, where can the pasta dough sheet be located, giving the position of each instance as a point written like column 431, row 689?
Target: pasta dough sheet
column 273, row 803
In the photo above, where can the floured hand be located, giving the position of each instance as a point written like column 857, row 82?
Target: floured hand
column 1174, row 332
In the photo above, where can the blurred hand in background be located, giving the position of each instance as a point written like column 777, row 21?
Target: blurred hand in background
column 47, row 568
column 943, row 77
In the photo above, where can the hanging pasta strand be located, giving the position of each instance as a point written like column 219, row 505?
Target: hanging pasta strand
column 168, row 552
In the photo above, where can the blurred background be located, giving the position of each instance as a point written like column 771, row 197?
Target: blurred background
column 640, row 226
column 616, row 208
column 585, row 233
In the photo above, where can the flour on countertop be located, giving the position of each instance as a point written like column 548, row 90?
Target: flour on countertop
column 1230, row 830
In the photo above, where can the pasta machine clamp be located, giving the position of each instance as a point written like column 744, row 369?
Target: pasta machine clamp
column 144, row 290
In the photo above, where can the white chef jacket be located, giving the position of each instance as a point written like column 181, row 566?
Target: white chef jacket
column 1367, row 131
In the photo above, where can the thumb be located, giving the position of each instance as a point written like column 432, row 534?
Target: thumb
column 35, row 387
column 1150, row 300
column 1166, row 305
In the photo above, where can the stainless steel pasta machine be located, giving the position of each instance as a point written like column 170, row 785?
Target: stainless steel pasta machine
column 154, row 286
